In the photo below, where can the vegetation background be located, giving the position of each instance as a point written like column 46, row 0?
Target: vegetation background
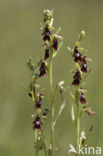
column 20, row 37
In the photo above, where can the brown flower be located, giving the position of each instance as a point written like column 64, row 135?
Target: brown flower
column 82, row 98
column 46, row 34
column 55, row 44
column 43, row 69
column 38, row 102
column 77, row 56
column 84, row 65
column 37, row 123
column 46, row 54
column 77, row 78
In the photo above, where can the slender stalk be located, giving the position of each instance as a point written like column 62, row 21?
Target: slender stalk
column 45, row 150
column 52, row 103
column 36, row 153
column 77, row 128
column 77, row 119
column 50, row 74
column 36, row 140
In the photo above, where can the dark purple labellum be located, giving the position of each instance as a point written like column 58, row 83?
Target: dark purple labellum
column 77, row 56
column 37, row 123
column 84, row 65
column 38, row 103
column 42, row 69
column 55, row 44
column 77, row 78
column 42, row 73
column 46, row 54
column 82, row 99
column 41, row 147
column 46, row 34
column 30, row 94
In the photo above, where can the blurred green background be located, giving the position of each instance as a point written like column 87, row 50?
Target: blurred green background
column 20, row 37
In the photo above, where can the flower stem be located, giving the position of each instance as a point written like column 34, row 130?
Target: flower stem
column 45, row 150
column 36, row 153
column 52, row 103
column 77, row 119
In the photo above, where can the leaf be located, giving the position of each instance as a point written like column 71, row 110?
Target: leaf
column 88, row 59
column 80, row 49
column 60, row 112
column 51, row 22
column 70, row 50
column 71, row 94
column 58, row 36
column 82, row 90
column 72, row 113
column 78, row 67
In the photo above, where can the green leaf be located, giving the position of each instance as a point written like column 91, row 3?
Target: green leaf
column 60, row 112
column 88, row 59
column 71, row 94
column 58, row 36
column 70, row 50
column 72, row 113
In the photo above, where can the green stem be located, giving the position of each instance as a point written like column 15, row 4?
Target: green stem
column 77, row 119
column 77, row 128
column 36, row 153
column 45, row 150
column 52, row 103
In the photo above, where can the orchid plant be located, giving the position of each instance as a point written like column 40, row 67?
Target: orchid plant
column 80, row 74
column 52, row 44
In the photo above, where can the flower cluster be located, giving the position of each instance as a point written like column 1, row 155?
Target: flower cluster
column 50, row 39
column 80, row 74
column 81, row 60
column 37, row 95
column 37, row 100
column 81, row 71
column 78, row 57
column 51, row 47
